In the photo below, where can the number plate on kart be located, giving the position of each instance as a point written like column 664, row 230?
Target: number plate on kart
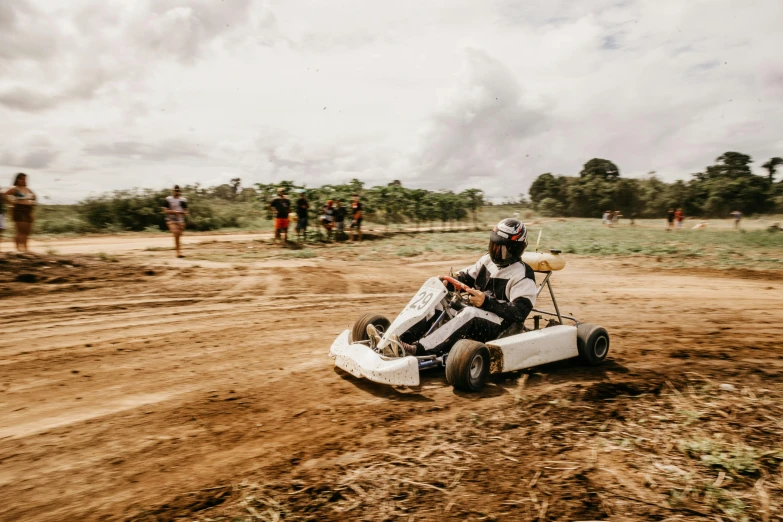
column 423, row 298
column 423, row 304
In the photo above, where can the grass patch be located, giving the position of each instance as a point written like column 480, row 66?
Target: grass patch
column 103, row 256
column 408, row 251
column 738, row 459
column 719, row 248
column 302, row 254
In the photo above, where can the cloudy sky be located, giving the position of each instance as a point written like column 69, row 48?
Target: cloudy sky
column 99, row 95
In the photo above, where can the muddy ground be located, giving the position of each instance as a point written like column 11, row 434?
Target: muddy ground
column 131, row 389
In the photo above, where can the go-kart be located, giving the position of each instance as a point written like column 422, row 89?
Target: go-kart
column 468, row 364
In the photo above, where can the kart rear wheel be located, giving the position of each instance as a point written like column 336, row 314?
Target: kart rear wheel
column 467, row 365
column 359, row 328
column 593, row 343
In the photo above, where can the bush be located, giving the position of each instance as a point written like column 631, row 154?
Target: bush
column 550, row 207
column 59, row 219
column 139, row 210
column 133, row 210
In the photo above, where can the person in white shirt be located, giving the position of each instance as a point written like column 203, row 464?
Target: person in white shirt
column 176, row 208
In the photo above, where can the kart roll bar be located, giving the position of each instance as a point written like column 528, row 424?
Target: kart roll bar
column 554, row 301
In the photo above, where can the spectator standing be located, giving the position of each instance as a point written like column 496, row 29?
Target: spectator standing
column 339, row 218
column 605, row 218
column 23, row 201
column 176, row 207
column 327, row 218
column 670, row 219
column 357, row 216
column 302, row 209
column 281, row 206
column 737, row 215
column 679, row 217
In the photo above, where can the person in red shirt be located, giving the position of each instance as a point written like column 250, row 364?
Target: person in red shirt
column 679, row 217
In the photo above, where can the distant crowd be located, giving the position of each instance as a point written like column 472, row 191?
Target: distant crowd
column 332, row 217
column 675, row 219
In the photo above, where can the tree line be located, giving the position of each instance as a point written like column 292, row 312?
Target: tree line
column 721, row 188
column 727, row 185
column 231, row 205
column 388, row 204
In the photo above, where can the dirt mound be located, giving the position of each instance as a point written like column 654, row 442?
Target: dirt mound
column 28, row 273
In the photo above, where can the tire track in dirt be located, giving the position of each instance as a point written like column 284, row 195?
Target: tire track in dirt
column 238, row 385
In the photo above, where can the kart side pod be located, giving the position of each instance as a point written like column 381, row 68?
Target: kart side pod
column 534, row 348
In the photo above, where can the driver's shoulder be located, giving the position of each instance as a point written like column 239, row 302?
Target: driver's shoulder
column 519, row 271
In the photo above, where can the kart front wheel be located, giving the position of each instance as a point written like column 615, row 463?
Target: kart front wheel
column 467, row 365
column 359, row 329
column 593, row 343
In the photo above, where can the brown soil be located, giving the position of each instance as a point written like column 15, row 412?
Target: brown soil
column 26, row 274
column 203, row 391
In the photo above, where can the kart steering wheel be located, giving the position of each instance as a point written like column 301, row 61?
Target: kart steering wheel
column 461, row 290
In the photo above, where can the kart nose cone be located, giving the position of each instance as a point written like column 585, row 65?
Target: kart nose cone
column 361, row 361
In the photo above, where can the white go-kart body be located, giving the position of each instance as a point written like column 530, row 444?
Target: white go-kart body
column 532, row 346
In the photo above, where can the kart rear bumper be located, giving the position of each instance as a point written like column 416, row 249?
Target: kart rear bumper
column 361, row 361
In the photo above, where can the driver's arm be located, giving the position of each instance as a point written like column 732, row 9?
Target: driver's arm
column 523, row 298
column 515, row 312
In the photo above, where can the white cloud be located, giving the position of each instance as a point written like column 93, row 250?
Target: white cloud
column 442, row 94
column 32, row 150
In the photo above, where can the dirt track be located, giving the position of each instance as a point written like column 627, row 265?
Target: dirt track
column 129, row 396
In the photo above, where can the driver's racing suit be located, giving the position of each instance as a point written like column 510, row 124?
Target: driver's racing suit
column 510, row 294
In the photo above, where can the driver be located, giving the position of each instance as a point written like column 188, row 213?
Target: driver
column 502, row 293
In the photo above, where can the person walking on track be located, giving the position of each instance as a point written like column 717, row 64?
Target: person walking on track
column 176, row 208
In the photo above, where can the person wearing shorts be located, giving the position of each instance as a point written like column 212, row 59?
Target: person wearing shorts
column 737, row 215
column 23, row 200
column 281, row 205
column 302, row 209
column 670, row 219
column 679, row 217
column 357, row 215
column 327, row 218
column 339, row 217
column 176, row 208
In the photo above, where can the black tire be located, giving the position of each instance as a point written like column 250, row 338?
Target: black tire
column 359, row 328
column 593, row 343
column 467, row 365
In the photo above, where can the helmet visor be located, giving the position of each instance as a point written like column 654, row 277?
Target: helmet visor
column 500, row 254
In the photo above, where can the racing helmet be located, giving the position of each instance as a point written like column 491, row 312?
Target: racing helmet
column 507, row 242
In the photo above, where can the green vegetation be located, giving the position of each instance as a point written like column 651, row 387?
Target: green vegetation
column 230, row 206
column 716, row 454
column 726, row 186
column 722, row 188
column 715, row 248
